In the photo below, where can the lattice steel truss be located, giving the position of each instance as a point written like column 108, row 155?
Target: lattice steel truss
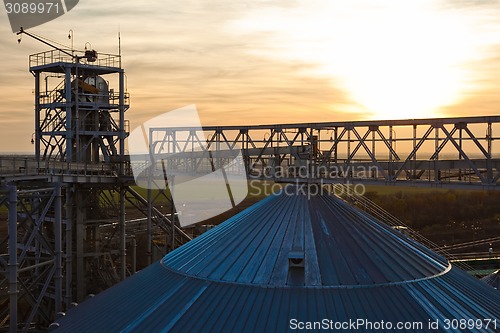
column 446, row 152
column 31, row 270
column 68, row 240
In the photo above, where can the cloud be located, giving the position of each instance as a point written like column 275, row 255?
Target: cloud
column 398, row 59
column 227, row 57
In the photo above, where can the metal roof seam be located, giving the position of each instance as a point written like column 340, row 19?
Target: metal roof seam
column 253, row 265
column 264, row 271
column 380, row 243
column 390, row 235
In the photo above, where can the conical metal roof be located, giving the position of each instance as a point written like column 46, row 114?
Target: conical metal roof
column 291, row 258
column 341, row 246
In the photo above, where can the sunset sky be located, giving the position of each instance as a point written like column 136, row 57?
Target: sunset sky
column 276, row 61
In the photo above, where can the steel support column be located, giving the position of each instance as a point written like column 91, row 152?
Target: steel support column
column 13, row 265
column 58, row 276
column 80, row 244
column 68, row 258
column 123, row 235
column 149, row 245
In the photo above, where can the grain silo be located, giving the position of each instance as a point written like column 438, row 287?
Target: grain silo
column 293, row 261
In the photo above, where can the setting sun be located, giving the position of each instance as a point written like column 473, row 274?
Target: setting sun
column 394, row 60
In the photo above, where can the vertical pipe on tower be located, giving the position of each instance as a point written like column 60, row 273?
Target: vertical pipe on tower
column 69, row 130
column 37, row 118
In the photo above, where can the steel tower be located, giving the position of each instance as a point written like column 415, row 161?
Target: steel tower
column 78, row 116
column 68, row 229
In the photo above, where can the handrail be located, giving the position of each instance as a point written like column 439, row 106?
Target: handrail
column 28, row 166
column 55, row 56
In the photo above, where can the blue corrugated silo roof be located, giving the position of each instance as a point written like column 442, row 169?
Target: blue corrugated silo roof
column 290, row 257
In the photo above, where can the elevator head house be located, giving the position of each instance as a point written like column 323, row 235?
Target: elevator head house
column 79, row 117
